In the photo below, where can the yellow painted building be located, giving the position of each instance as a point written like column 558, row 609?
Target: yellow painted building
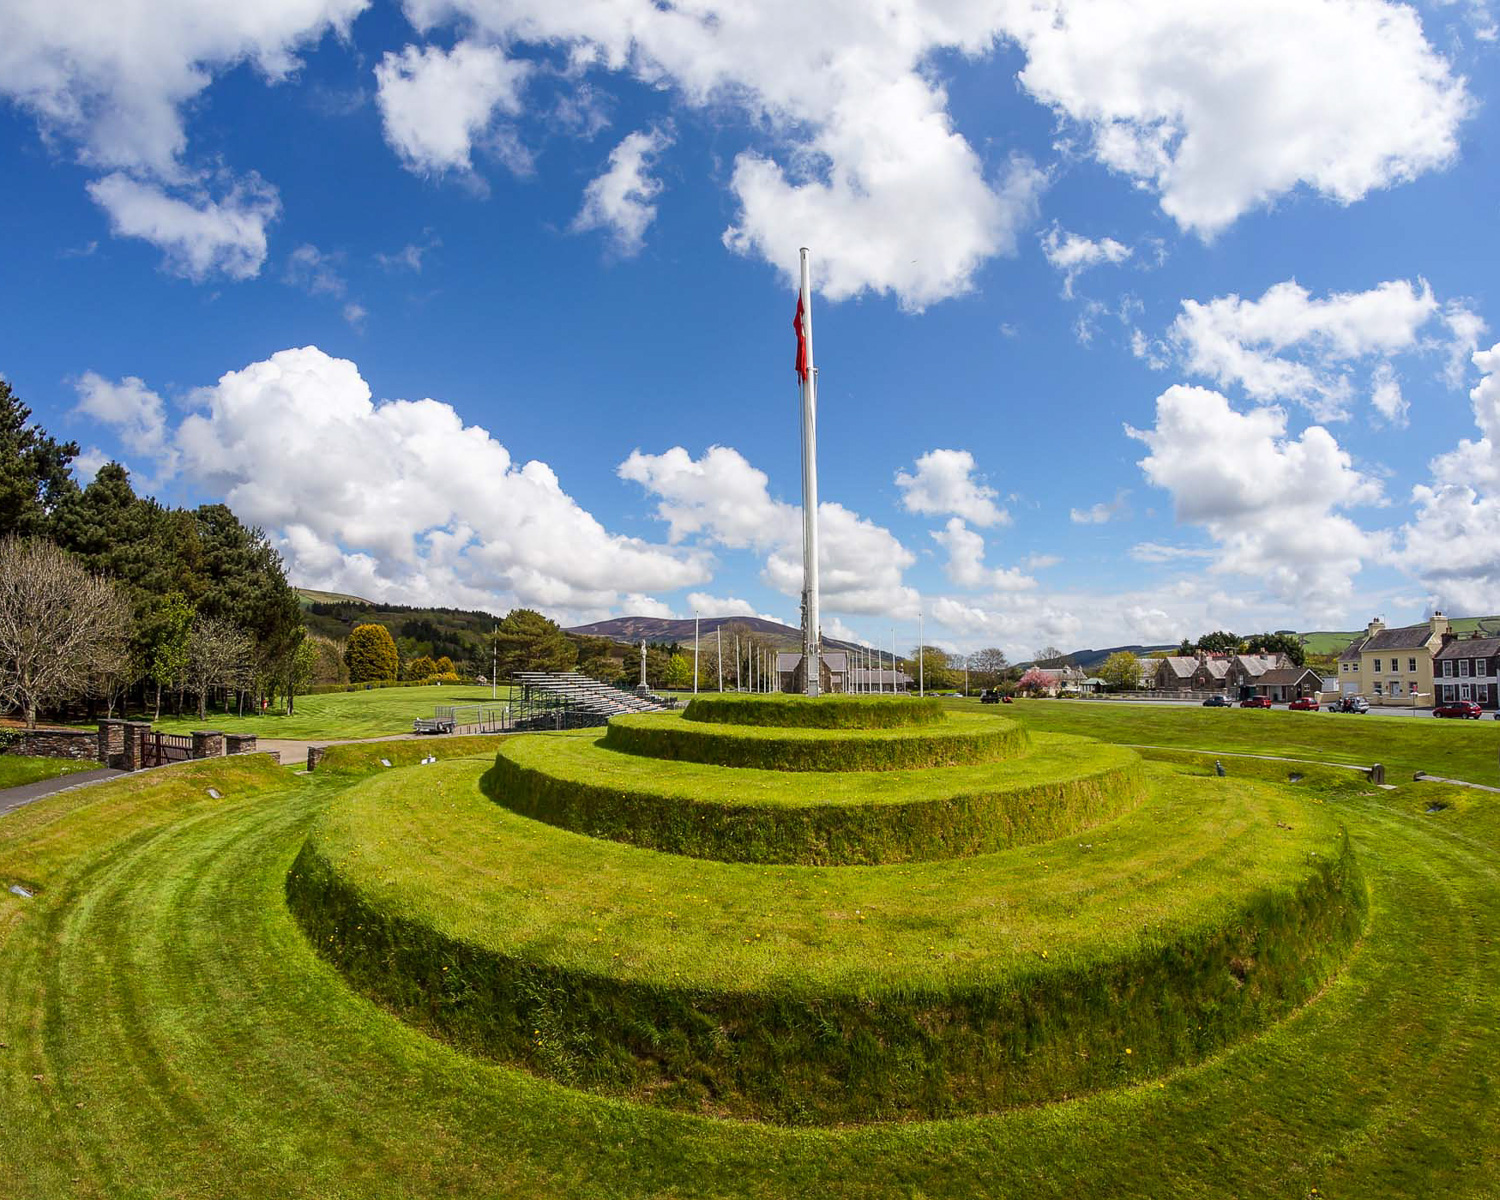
column 1393, row 666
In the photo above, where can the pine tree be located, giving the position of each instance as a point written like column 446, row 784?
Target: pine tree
column 371, row 654
column 527, row 641
column 34, row 472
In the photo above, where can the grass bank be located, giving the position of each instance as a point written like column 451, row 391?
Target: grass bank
column 379, row 712
column 18, row 769
column 1064, row 785
column 167, row 1031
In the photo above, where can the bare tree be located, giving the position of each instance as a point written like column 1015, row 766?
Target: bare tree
column 988, row 665
column 61, row 629
column 219, row 655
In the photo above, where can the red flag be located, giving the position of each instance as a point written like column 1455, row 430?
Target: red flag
column 801, row 341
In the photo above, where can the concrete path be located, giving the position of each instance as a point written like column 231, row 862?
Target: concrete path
column 13, row 798
column 294, row 750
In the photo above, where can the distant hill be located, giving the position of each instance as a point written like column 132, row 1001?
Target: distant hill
column 311, row 596
column 1092, row 660
column 458, row 633
column 667, row 630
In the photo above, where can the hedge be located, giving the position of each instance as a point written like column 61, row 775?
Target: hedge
column 1066, row 785
column 823, row 712
column 959, row 740
column 431, row 918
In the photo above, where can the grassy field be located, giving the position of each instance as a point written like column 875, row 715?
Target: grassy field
column 1468, row 750
column 16, row 769
column 166, row 1030
column 379, row 712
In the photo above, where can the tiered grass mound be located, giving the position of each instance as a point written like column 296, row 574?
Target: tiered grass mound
column 1065, row 785
column 829, row 912
column 957, row 740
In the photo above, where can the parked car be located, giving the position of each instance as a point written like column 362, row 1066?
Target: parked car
column 1217, row 702
column 1304, row 704
column 1459, row 708
column 1256, row 702
column 1350, row 704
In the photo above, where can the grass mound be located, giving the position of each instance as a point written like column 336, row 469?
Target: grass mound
column 963, row 738
column 812, row 995
column 1065, row 785
column 821, row 712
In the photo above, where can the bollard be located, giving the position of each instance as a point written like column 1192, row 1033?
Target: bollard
column 315, row 756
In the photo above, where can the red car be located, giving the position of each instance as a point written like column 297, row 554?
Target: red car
column 1304, row 704
column 1459, row 708
column 1256, row 702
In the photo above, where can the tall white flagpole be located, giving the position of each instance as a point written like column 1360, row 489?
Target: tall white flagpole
column 921, row 657
column 719, row 646
column 811, row 649
column 695, row 651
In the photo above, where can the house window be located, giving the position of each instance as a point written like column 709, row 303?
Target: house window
column 1463, row 666
column 1411, row 665
column 1463, row 691
column 1377, row 666
column 1479, row 666
column 1377, row 687
column 1482, row 693
column 1447, row 668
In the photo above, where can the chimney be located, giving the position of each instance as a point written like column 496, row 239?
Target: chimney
column 1374, row 627
column 1437, row 622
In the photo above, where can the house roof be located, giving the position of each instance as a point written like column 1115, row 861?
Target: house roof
column 1217, row 667
column 1256, row 664
column 1470, row 648
column 1289, row 677
column 1408, row 637
column 1352, row 650
column 1180, row 665
column 835, row 660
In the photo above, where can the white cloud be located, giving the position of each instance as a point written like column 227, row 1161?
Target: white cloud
column 410, row 256
column 199, row 236
column 1270, row 501
column 355, row 313
column 401, row 500
column 725, row 606
column 1040, row 562
column 966, row 561
column 1101, row 513
column 1222, row 108
column 1073, row 254
column 116, row 81
column 724, row 501
column 1387, row 397
column 436, row 105
column 134, row 411
column 1453, row 544
column 944, row 483
column 314, row 272
column 637, row 605
column 1156, row 552
column 620, row 200
column 1289, row 346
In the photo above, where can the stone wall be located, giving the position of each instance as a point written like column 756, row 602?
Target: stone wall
column 239, row 743
column 80, row 744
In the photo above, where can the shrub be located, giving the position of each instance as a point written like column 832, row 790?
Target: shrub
column 822, row 712
column 371, row 654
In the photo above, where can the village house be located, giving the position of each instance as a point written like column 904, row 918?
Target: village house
column 1394, row 666
column 833, row 676
column 1467, row 669
column 1288, row 683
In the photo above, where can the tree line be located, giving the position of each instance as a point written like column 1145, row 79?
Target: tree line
column 108, row 597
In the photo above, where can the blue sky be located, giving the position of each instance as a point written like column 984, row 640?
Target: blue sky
column 1131, row 322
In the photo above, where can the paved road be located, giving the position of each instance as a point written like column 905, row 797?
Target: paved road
column 13, row 798
column 293, row 751
column 1425, row 713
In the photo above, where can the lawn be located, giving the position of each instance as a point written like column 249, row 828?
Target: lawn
column 16, row 769
column 166, row 1030
column 379, row 712
column 1468, row 750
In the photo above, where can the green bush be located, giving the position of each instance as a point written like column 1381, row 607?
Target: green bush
column 1066, row 785
column 960, row 739
column 371, row 654
column 822, row 712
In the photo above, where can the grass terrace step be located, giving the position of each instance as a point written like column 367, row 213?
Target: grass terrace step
column 830, row 995
column 822, row 712
column 961, row 739
column 1064, row 785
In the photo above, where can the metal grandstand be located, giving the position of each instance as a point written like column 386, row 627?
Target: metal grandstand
column 548, row 700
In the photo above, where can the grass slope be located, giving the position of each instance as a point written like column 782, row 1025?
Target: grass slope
column 16, row 769
column 823, row 712
column 1454, row 749
column 1065, row 785
column 190, row 1043
column 803, row 994
column 961, row 738
column 379, row 712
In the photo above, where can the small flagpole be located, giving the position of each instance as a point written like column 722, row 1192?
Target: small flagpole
column 719, row 647
column 695, row 651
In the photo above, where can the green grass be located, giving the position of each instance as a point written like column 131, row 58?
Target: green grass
column 16, row 769
column 961, row 738
column 190, row 1043
column 824, row 712
column 1468, row 750
column 811, row 994
column 1064, row 785
column 380, row 712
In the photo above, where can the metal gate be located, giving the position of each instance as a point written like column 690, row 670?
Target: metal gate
column 158, row 749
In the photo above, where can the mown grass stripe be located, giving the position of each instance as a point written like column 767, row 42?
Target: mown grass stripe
column 823, row 712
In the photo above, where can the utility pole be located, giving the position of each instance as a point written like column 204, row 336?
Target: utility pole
column 494, row 662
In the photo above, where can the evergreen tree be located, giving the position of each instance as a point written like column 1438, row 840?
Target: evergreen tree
column 1220, row 642
column 371, row 654
column 34, row 469
column 1278, row 643
column 527, row 641
column 420, row 668
column 444, row 666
